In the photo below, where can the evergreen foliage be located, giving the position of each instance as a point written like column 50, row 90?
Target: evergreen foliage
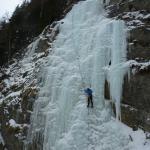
column 27, row 21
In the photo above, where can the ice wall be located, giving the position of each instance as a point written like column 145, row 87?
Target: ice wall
column 82, row 51
column 117, row 67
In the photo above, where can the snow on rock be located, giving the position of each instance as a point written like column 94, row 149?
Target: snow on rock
column 146, row 16
column 19, row 88
column 133, row 19
column 138, row 67
column 134, row 24
column 139, row 140
column 13, row 124
column 22, row 73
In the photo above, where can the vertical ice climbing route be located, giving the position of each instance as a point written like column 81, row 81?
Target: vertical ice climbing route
column 60, row 118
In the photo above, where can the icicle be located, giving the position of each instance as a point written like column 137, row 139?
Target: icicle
column 117, row 69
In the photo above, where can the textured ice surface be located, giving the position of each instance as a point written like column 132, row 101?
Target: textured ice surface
column 86, row 44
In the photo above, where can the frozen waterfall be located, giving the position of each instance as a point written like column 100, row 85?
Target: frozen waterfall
column 88, row 50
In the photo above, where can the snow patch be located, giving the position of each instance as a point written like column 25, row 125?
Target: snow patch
column 13, row 124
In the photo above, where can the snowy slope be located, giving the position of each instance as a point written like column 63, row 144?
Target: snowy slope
column 82, row 52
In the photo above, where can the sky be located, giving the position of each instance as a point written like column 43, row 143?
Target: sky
column 8, row 6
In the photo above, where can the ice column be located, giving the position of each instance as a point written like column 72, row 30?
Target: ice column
column 117, row 68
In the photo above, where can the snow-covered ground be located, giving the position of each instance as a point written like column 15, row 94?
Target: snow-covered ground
column 87, row 44
column 135, row 18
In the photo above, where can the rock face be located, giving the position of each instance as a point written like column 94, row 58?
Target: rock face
column 139, row 49
column 136, row 91
column 131, row 5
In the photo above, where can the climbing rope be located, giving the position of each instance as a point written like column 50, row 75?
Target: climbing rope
column 81, row 75
column 78, row 57
column 80, row 71
column 88, row 130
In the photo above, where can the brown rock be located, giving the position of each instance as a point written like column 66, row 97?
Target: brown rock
column 42, row 45
column 107, row 90
column 135, row 118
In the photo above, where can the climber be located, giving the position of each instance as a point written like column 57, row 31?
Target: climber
column 89, row 95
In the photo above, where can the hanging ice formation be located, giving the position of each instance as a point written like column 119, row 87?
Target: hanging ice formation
column 82, row 53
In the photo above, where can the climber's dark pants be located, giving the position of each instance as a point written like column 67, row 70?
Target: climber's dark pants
column 90, row 101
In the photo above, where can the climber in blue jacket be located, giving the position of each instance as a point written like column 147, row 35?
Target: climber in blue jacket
column 89, row 92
